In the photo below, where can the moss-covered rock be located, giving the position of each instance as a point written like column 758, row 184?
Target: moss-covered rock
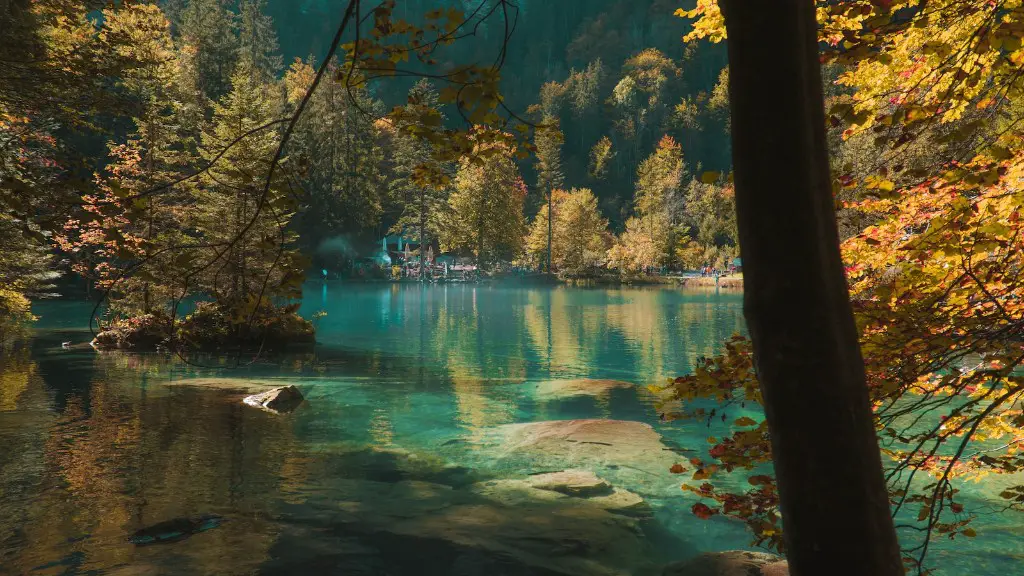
column 214, row 327
column 142, row 334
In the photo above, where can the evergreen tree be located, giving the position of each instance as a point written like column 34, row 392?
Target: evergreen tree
column 257, row 39
column 650, row 234
column 485, row 215
column 421, row 203
column 580, row 236
column 338, row 156
column 209, row 26
column 129, row 228
column 548, row 140
column 247, row 229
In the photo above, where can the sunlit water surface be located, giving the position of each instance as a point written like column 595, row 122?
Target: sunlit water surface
column 380, row 471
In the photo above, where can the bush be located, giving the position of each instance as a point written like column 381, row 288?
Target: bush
column 213, row 327
column 15, row 314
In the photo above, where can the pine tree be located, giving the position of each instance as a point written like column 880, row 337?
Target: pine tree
column 485, row 215
column 421, row 203
column 580, row 235
column 337, row 156
column 650, row 234
column 209, row 26
column 248, row 230
column 548, row 140
column 257, row 39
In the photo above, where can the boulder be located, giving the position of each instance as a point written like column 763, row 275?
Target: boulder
column 730, row 563
column 553, row 389
column 278, row 400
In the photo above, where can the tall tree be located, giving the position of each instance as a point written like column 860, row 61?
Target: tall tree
column 338, row 156
column 549, row 139
column 581, row 238
column 247, row 229
column 834, row 502
column 486, row 207
column 421, row 203
column 650, row 232
column 257, row 38
column 210, row 27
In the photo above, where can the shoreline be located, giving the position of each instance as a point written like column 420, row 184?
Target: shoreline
column 734, row 282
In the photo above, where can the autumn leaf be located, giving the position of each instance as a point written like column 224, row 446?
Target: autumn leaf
column 703, row 511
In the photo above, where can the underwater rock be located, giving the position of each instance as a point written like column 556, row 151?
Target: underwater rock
column 585, row 443
column 731, row 563
column 175, row 530
column 552, row 389
column 524, row 493
column 239, row 385
column 571, row 483
column 468, row 531
column 279, row 400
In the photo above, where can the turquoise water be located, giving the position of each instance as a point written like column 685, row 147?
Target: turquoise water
column 401, row 460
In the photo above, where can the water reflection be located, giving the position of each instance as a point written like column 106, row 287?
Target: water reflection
column 97, row 446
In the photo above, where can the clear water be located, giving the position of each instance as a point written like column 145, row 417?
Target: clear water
column 380, row 472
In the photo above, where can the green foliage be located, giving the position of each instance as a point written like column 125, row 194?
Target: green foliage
column 208, row 26
column 421, row 203
column 580, row 237
column 337, row 155
column 15, row 315
column 648, row 239
column 237, row 211
column 485, row 215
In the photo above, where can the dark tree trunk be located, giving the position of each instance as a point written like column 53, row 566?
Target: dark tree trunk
column 833, row 496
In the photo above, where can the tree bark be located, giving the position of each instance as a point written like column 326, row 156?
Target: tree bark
column 834, row 502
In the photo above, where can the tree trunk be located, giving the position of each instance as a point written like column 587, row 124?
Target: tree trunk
column 423, row 231
column 551, row 216
column 833, row 496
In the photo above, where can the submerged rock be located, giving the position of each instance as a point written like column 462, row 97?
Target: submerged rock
column 553, row 389
column 587, row 443
column 572, row 483
column 425, row 528
column 239, row 385
column 279, row 400
column 570, row 488
column 731, row 563
column 175, row 530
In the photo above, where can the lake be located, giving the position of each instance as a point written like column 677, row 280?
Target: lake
column 414, row 453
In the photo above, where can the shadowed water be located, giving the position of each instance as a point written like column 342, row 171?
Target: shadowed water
column 392, row 464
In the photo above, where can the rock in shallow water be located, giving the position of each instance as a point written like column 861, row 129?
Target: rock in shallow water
column 278, row 400
column 424, row 528
column 731, row 563
column 553, row 389
column 528, row 492
column 586, row 444
column 175, row 530
column 572, row 483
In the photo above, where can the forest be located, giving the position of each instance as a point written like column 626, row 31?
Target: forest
column 190, row 168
